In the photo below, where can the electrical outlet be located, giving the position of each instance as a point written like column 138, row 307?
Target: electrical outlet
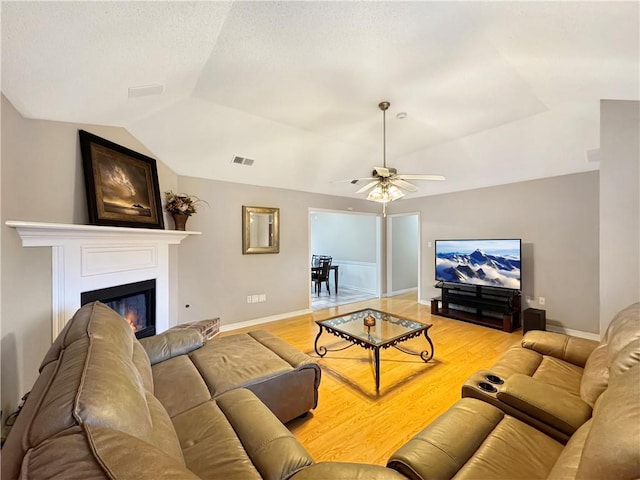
column 541, row 300
column 263, row 297
column 528, row 299
column 249, row 299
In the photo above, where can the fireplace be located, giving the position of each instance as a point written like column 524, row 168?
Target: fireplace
column 135, row 302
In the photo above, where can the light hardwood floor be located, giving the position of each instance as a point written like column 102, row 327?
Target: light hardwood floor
column 352, row 423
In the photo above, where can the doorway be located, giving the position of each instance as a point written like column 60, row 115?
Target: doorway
column 353, row 241
column 403, row 254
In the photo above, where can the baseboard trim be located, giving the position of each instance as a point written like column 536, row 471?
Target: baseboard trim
column 401, row 292
column 357, row 289
column 574, row 333
column 259, row 321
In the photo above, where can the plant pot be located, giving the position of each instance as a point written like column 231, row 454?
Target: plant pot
column 180, row 221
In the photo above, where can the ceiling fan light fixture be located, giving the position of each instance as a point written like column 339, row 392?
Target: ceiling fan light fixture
column 383, row 193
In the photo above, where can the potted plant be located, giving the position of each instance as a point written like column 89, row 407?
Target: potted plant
column 181, row 206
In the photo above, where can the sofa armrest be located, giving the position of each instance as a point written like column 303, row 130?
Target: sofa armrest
column 171, row 343
column 446, row 444
column 294, row 357
column 347, row 471
column 571, row 349
column 272, row 448
column 208, row 328
column 549, row 404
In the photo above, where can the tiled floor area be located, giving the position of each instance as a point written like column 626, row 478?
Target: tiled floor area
column 344, row 295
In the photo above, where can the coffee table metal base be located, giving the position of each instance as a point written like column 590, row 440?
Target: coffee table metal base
column 425, row 355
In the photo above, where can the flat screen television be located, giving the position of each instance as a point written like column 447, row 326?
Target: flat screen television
column 489, row 263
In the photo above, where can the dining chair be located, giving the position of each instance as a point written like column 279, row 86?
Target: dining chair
column 323, row 275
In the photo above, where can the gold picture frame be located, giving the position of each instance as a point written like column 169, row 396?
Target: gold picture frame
column 260, row 230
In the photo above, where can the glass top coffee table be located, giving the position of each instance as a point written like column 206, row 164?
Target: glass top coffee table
column 372, row 329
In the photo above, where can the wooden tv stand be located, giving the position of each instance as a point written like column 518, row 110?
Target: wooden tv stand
column 488, row 306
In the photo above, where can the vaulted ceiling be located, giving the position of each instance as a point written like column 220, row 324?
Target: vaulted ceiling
column 494, row 92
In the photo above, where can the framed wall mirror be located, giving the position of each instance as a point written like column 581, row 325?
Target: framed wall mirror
column 260, row 230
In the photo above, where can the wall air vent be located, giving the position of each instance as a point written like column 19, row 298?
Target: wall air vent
column 242, row 161
column 145, row 91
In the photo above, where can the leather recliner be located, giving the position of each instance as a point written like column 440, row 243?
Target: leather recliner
column 476, row 440
column 552, row 380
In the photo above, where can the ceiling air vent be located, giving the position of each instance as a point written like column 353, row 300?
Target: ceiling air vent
column 242, row 161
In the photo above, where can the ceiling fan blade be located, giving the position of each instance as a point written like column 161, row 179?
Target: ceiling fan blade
column 398, row 182
column 417, row 176
column 367, row 186
column 353, row 181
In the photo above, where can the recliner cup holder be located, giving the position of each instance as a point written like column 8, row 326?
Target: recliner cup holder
column 487, row 387
column 496, row 380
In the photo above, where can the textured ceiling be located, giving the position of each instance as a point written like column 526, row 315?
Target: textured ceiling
column 494, row 92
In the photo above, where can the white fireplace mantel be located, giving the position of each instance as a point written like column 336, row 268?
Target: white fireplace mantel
column 89, row 257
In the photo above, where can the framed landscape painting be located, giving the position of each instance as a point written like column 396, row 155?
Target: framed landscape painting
column 122, row 185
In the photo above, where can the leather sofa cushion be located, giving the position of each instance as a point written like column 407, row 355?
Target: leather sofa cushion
column 347, row 471
column 618, row 351
column 513, row 449
column 66, row 456
column 224, row 364
column 175, row 377
column 284, row 378
column 550, row 404
column 126, row 457
column 517, row 360
column 571, row 349
column 172, row 343
column 624, row 328
column 235, row 436
column 541, row 367
column 560, row 374
column 567, row 464
column 141, row 361
column 611, row 449
column 476, row 440
column 210, row 446
column 596, row 376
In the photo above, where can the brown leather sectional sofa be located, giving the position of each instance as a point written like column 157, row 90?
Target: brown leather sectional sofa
column 583, row 397
column 105, row 406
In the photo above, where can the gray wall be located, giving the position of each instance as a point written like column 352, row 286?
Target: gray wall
column 557, row 220
column 619, row 207
column 42, row 181
column 215, row 277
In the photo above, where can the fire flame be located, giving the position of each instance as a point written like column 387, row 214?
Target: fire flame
column 132, row 318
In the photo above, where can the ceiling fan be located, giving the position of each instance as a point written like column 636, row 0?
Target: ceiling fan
column 385, row 183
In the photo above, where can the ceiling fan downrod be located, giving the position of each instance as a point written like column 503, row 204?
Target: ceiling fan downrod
column 384, row 106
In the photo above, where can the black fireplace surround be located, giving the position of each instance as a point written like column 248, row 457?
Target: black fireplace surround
column 135, row 302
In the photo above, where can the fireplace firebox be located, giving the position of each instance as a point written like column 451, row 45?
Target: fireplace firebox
column 135, row 302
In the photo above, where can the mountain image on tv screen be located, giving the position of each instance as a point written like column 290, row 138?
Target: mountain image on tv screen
column 491, row 263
